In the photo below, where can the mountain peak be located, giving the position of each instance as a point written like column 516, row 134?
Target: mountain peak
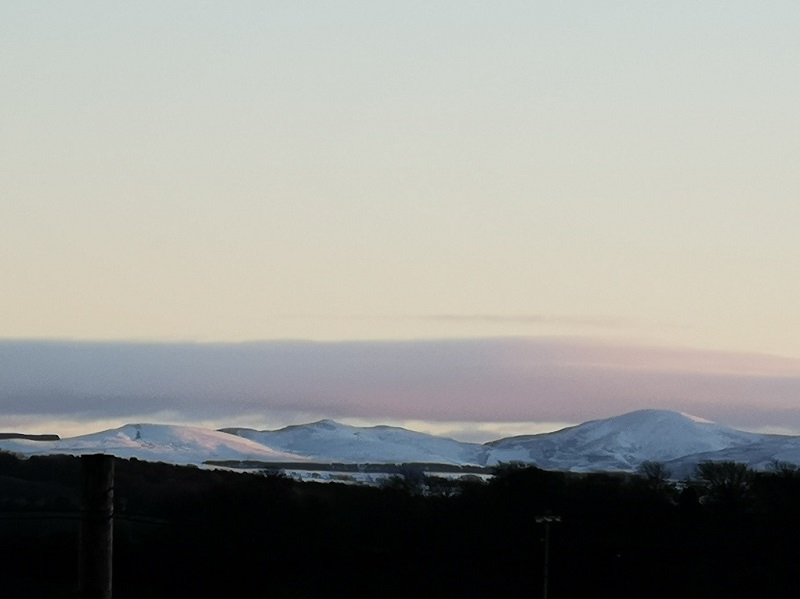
column 331, row 441
column 327, row 423
column 654, row 415
column 324, row 425
column 621, row 442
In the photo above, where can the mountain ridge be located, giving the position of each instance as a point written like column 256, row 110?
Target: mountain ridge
column 618, row 443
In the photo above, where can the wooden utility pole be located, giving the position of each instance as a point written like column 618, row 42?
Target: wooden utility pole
column 546, row 520
column 97, row 527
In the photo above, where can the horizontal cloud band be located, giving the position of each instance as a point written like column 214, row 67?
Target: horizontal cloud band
column 466, row 380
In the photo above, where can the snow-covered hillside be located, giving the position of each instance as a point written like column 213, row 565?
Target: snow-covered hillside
column 329, row 441
column 156, row 443
column 761, row 455
column 620, row 443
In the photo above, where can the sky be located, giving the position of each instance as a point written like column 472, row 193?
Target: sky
column 407, row 175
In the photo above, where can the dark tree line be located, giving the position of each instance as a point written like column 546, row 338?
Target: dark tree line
column 184, row 532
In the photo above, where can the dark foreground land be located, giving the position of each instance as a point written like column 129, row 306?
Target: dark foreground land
column 185, row 532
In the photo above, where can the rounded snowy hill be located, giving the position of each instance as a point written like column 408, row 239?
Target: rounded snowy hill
column 330, row 441
column 765, row 454
column 621, row 443
column 155, row 443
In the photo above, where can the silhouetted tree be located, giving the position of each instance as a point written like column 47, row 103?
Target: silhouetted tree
column 784, row 469
column 656, row 474
column 726, row 483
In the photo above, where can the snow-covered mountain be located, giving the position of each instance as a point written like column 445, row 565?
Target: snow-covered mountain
column 156, row 443
column 622, row 442
column 329, row 441
column 761, row 455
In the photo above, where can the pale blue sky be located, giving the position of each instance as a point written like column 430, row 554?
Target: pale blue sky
column 618, row 171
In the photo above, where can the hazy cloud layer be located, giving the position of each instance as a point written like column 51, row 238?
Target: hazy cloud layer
column 532, row 319
column 489, row 380
column 485, row 318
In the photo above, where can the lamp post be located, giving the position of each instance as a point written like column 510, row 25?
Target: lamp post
column 547, row 520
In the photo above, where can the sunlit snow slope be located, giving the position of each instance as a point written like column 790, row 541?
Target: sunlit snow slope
column 621, row 443
column 330, row 441
column 155, row 442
